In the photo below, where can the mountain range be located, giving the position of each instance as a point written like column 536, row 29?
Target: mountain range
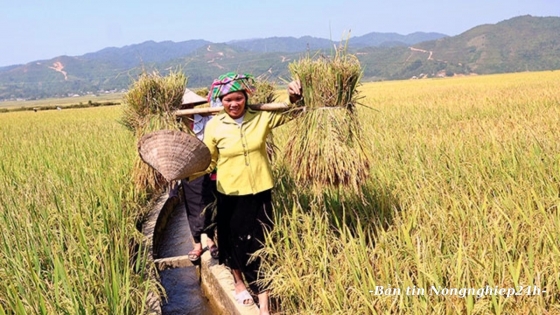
column 524, row 43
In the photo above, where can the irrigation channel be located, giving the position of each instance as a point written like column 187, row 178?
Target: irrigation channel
column 181, row 283
column 187, row 286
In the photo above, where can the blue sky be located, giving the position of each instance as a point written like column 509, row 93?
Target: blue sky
column 42, row 29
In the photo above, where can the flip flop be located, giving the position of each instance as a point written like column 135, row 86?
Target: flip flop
column 214, row 252
column 194, row 255
column 244, row 298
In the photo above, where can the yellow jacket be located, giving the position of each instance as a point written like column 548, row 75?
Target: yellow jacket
column 239, row 151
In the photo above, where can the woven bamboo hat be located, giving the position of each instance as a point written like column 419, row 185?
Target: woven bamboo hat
column 175, row 154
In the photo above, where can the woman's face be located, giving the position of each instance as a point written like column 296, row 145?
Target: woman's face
column 234, row 104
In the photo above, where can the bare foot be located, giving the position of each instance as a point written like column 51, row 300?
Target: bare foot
column 263, row 303
column 194, row 255
column 238, row 281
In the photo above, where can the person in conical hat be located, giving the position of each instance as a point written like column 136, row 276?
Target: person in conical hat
column 200, row 192
column 191, row 99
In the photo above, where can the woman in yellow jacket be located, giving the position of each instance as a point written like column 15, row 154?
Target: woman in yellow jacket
column 236, row 138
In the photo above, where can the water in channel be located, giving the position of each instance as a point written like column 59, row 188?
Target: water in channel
column 184, row 294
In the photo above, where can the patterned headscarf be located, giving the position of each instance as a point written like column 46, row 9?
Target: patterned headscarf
column 231, row 82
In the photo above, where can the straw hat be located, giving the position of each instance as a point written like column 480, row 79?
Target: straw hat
column 193, row 99
column 175, row 154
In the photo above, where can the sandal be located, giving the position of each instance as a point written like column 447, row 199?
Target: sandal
column 194, row 255
column 244, row 298
column 214, row 252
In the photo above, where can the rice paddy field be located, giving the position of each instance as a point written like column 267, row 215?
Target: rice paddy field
column 461, row 206
column 68, row 215
column 459, row 213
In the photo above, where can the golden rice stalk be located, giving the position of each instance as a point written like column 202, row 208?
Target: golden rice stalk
column 202, row 92
column 146, row 179
column 265, row 91
column 153, row 95
column 326, row 148
column 328, row 82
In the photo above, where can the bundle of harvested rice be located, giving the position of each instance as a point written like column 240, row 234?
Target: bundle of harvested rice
column 151, row 100
column 326, row 148
column 265, row 93
column 149, row 105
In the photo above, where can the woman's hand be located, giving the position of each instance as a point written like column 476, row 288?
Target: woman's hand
column 294, row 90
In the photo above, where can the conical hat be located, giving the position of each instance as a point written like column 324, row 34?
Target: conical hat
column 175, row 154
column 191, row 98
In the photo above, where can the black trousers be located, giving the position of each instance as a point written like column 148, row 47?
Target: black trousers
column 200, row 196
column 243, row 222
